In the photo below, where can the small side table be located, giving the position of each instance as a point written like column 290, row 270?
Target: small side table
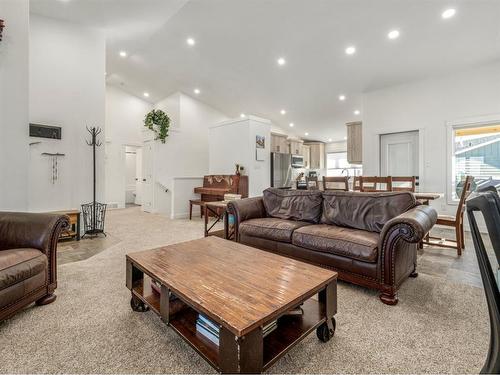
column 219, row 211
column 74, row 221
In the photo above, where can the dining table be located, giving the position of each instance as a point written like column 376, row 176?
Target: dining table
column 426, row 197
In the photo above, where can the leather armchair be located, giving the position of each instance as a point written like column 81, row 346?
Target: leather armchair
column 28, row 254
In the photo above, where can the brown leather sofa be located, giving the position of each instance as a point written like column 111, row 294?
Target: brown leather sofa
column 370, row 239
column 28, row 250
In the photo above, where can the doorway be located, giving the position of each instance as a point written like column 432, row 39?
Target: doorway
column 399, row 154
column 133, row 176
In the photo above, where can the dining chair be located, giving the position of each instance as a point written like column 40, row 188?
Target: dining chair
column 312, row 183
column 404, row 183
column 456, row 221
column 355, row 183
column 371, row 184
column 488, row 203
column 336, row 183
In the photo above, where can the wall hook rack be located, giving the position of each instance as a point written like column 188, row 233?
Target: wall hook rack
column 55, row 164
column 2, row 25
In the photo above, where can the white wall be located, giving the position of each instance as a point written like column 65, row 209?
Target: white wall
column 427, row 106
column 67, row 89
column 185, row 152
column 124, row 123
column 14, row 104
column 233, row 142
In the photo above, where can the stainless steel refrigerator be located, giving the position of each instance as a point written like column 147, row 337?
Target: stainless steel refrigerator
column 281, row 170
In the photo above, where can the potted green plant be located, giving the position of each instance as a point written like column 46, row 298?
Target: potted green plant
column 159, row 122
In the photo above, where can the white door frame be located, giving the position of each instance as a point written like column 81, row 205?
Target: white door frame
column 421, row 154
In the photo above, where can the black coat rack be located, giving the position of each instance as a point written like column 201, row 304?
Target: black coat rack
column 94, row 213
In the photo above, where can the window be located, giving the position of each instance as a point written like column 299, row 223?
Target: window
column 337, row 165
column 476, row 152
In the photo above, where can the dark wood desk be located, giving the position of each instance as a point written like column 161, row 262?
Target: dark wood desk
column 240, row 289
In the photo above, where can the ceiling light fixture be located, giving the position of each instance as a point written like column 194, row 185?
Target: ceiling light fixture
column 357, row 112
column 291, row 124
column 342, row 98
column 393, row 34
column 197, row 91
column 306, row 133
column 351, row 50
column 345, row 138
column 448, row 13
column 243, row 115
column 123, row 54
column 190, row 41
column 146, row 94
column 283, row 112
column 329, row 139
column 281, row 61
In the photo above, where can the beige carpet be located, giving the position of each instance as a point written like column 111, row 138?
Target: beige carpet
column 437, row 326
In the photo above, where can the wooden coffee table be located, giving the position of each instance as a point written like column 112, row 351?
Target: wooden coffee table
column 239, row 288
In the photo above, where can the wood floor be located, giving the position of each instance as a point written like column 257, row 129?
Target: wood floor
column 434, row 261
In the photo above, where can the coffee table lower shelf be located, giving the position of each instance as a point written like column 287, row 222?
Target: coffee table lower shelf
column 182, row 319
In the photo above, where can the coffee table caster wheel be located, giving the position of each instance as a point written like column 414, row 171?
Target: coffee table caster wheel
column 324, row 332
column 137, row 305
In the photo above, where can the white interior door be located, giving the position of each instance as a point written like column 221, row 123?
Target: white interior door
column 138, row 176
column 147, row 176
column 399, row 154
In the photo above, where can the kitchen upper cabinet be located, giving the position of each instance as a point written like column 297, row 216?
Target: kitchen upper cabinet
column 296, row 147
column 354, row 142
column 306, row 153
column 279, row 143
column 316, row 155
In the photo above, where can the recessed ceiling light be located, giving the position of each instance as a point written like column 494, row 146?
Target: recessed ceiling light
column 146, row 94
column 283, row 112
column 243, row 115
column 351, row 50
column 357, row 112
column 329, row 139
column 306, row 133
column 196, row 91
column 190, row 41
column 393, row 34
column 448, row 13
column 291, row 124
column 342, row 98
column 345, row 138
column 281, row 61
column 123, row 54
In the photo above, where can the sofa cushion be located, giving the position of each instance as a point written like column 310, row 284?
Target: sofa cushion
column 347, row 242
column 271, row 228
column 17, row 265
column 366, row 211
column 301, row 205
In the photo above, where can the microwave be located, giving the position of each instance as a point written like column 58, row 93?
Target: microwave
column 297, row 161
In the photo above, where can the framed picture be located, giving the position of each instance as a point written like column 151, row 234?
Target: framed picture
column 260, row 141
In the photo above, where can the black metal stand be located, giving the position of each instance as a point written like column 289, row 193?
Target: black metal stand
column 94, row 213
column 488, row 203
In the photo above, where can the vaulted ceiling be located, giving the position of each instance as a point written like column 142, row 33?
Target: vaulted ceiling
column 238, row 42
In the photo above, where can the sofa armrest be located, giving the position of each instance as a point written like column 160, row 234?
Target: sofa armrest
column 39, row 231
column 246, row 209
column 396, row 237
column 410, row 226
